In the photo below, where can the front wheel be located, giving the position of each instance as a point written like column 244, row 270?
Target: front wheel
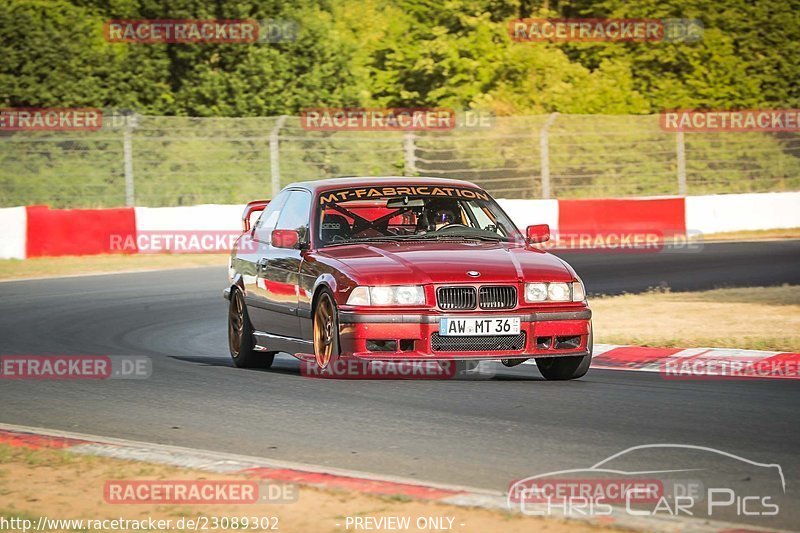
column 562, row 368
column 240, row 337
column 326, row 330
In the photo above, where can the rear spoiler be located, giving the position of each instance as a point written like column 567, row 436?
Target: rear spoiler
column 252, row 207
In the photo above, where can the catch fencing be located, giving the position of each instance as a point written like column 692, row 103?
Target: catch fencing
column 171, row 161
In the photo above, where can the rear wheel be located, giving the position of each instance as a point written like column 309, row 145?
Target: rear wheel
column 326, row 330
column 240, row 337
column 562, row 368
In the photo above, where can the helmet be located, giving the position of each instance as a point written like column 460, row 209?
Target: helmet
column 443, row 216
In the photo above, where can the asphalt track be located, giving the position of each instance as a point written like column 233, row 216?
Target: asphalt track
column 705, row 266
column 482, row 433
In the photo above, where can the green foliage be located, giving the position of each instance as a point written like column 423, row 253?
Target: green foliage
column 377, row 53
column 401, row 53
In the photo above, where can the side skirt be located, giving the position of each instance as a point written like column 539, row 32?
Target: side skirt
column 267, row 342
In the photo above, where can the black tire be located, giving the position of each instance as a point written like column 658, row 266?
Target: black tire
column 240, row 336
column 325, row 330
column 563, row 368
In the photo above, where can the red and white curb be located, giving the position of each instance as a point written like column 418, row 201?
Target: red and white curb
column 697, row 363
column 706, row 362
column 325, row 477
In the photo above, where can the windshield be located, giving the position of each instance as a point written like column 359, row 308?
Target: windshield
column 425, row 213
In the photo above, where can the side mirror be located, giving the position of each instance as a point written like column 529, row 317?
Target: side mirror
column 285, row 238
column 537, row 233
column 256, row 206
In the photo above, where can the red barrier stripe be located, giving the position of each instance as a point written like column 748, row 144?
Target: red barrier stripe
column 665, row 216
column 331, row 481
column 36, row 442
column 55, row 232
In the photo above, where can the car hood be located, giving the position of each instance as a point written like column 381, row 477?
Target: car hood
column 391, row 263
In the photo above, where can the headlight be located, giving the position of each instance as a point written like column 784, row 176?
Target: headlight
column 409, row 295
column 554, row 292
column 381, row 295
column 558, row 292
column 535, row 292
column 385, row 295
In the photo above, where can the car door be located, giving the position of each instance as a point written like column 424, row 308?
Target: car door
column 255, row 251
column 280, row 269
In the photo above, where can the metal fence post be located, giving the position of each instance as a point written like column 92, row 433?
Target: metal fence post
column 680, row 148
column 274, row 155
column 127, row 154
column 544, row 150
column 410, row 154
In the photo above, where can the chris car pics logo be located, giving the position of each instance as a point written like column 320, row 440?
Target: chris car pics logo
column 655, row 480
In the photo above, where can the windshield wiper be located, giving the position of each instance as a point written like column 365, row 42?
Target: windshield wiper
column 426, row 236
column 385, row 238
column 455, row 236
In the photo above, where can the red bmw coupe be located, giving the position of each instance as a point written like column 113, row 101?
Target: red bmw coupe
column 408, row 269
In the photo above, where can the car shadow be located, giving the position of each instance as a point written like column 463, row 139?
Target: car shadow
column 289, row 365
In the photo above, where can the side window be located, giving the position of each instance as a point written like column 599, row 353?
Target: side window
column 269, row 216
column 484, row 221
column 295, row 214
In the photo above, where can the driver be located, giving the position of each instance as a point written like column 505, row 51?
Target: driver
column 441, row 213
column 443, row 217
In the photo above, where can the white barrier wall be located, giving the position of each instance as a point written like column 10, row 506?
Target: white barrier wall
column 13, row 229
column 528, row 212
column 718, row 213
column 198, row 228
column 207, row 217
column 707, row 214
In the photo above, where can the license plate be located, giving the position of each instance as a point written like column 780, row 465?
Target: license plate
column 478, row 326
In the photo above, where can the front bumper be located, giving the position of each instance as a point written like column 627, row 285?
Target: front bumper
column 401, row 336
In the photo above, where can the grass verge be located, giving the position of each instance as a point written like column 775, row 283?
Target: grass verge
column 42, row 267
column 759, row 318
column 60, row 485
column 754, row 235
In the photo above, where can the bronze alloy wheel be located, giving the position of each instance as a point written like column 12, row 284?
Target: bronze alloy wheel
column 236, row 324
column 244, row 352
column 325, row 341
